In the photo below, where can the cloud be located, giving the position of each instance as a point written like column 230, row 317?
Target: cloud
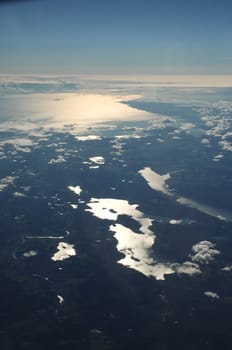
column 97, row 160
column 227, row 268
column 18, row 194
column 211, row 295
column 175, row 222
column 205, row 141
column 88, row 138
column 187, row 267
column 6, row 181
column 204, row 252
column 30, row 253
column 187, row 126
column 2, row 154
column 59, row 159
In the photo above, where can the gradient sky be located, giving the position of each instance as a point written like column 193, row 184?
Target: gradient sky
column 126, row 37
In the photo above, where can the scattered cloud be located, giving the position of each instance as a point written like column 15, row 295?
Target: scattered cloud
column 6, row 181
column 59, row 159
column 175, row 222
column 30, row 253
column 211, row 295
column 204, row 252
column 205, row 141
column 227, row 268
column 88, row 138
column 18, row 194
column 186, row 126
column 97, row 160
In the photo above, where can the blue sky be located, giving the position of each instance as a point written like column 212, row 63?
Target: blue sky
column 116, row 37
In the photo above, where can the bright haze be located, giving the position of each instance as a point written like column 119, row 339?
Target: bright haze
column 115, row 37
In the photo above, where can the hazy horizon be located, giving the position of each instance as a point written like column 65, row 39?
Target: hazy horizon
column 108, row 37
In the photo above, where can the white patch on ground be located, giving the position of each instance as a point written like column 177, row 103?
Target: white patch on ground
column 217, row 213
column 74, row 206
column 76, row 189
column 65, row 251
column 158, row 183
column 110, row 209
column 137, row 248
column 155, row 181
column 60, row 299
column 45, row 237
column 211, row 295
column 204, row 252
column 137, row 251
column 70, row 111
column 132, row 244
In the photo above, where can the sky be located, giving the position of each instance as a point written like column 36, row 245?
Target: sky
column 115, row 37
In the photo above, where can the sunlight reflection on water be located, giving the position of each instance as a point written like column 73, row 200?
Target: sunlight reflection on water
column 58, row 109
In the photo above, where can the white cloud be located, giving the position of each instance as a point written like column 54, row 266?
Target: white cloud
column 227, row 146
column 218, row 157
column 187, row 267
column 205, row 141
column 88, row 138
column 6, row 181
column 204, row 252
column 30, row 253
column 187, row 126
column 227, row 268
column 211, row 295
column 175, row 222
column 59, row 159
column 18, row 194
column 97, row 160
column 21, row 142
